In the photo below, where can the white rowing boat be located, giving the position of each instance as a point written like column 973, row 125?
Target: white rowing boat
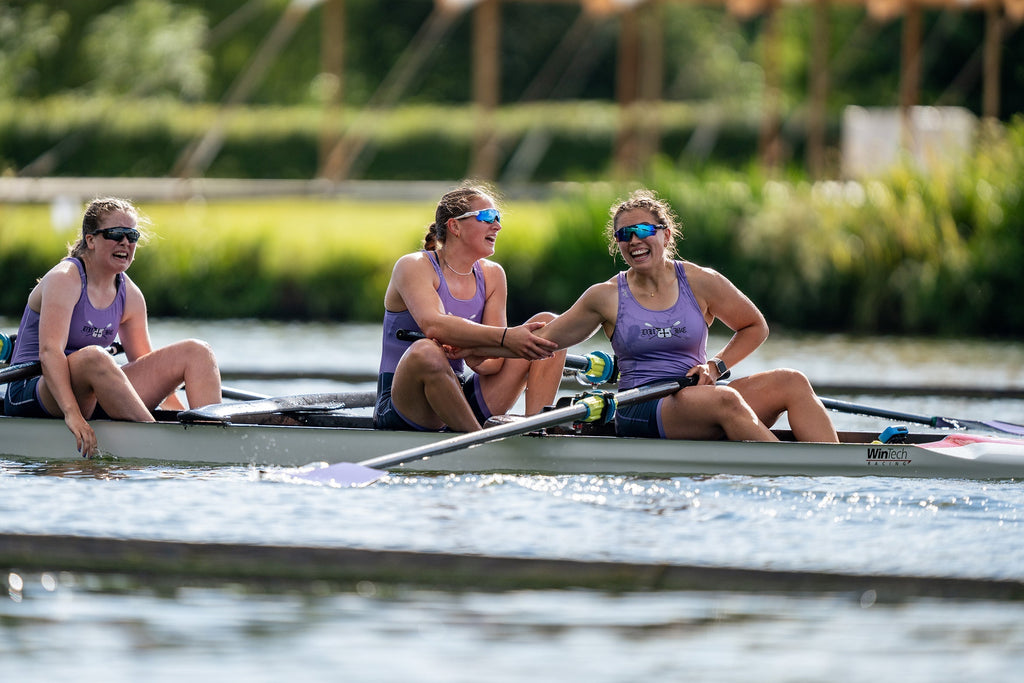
column 299, row 430
column 300, row 436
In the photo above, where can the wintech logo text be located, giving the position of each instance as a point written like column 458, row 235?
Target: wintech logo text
column 888, row 457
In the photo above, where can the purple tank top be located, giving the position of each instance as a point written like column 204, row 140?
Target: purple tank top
column 653, row 345
column 470, row 309
column 89, row 325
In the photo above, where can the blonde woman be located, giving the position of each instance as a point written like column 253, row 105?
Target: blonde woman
column 79, row 307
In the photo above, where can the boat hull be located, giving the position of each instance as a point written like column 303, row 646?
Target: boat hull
column 275, row 445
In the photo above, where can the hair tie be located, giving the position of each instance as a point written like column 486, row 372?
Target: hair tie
column 503, row 337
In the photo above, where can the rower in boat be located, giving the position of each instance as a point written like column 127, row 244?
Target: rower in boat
column 657, row 314
column 455, row 295
column 78, row 308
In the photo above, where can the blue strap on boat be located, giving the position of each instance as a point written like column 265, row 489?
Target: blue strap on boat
column 600, row 406
column 894, row 434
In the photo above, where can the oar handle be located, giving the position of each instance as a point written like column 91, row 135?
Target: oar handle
column 34, row 368
column 6, row 347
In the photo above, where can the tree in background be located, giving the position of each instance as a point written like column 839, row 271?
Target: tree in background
column 27, row 35
column 149, row 47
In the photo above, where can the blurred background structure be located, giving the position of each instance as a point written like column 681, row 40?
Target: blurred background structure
column 738, row 81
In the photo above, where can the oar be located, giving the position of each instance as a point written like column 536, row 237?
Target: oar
column 596, row 364
column 270, row 405
column 21, row 371
column 597, row 367
column 589, row 408
column 930, row 420
column 235, row 394
column 33, row 368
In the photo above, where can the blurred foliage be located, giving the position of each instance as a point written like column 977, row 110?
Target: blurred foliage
column 107, row 137
column 710, row 55
column 148, row 47
column 28, row 35
column 902, row 253
column 55, row 54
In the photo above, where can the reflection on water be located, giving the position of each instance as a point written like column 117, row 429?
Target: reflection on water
column 243, row 345
column 102, row 628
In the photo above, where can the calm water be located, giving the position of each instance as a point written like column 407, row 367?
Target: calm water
column 63, row 626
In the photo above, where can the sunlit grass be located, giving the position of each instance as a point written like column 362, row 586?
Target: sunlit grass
column 247, row 257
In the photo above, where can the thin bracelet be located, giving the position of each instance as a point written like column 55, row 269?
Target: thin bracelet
column 503, row 337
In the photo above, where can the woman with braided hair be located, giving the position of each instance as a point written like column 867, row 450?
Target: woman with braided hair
column 455, row 295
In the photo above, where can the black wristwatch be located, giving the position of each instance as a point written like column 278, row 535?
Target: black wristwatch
column 723, row 369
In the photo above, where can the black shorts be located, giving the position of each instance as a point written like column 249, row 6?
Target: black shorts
column 386, row 416
column 22, row 399
column 640, row 419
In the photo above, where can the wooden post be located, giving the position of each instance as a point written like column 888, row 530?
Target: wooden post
column 650, row 79
column 486, row 86
column 992, row 61
column 818, row 110
column 626, row 92
column 769, row 140
column 332, row 68
column 910, row 75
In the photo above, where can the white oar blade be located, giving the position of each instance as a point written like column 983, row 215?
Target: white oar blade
column 341, row 475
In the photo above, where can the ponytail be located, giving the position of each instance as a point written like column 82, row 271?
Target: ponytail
column 452, row 204
column 430, row 239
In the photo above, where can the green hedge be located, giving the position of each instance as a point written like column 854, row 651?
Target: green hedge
column 138, row 138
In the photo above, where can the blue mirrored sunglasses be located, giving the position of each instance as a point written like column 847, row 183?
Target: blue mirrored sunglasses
column 484, row 215
column 641, row 230
column 118, row 234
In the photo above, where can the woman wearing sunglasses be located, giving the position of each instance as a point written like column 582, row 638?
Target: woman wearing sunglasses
column 657, row 314
column 76, row 310
column 455, row 295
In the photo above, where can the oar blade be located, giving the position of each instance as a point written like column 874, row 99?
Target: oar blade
column 340, row 475
column 1007, row 427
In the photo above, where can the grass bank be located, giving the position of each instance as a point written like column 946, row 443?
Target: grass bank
column 274, row 258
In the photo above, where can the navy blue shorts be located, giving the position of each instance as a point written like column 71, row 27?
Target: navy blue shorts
column 22, row 399
column 640, row 419
column 386, row 416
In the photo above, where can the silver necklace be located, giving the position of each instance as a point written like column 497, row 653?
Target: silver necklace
column 449, row 267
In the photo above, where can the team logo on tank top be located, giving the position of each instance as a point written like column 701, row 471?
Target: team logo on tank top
column 97, row 332
column 676, row 329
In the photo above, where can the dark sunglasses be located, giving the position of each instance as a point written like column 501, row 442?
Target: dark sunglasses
column 118, row 234
column 641, row 230
column 483, row 215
